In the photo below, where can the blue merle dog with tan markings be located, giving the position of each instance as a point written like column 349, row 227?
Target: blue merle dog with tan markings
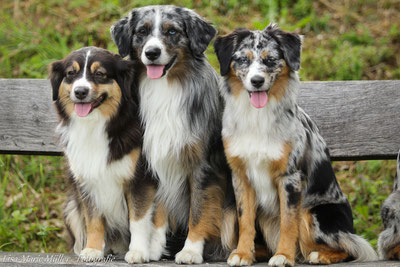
column 389, row 239
column 282, row 175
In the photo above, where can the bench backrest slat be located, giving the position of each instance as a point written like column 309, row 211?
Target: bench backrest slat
column 358, row 119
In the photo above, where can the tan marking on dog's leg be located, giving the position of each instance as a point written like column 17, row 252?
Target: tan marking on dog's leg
column 394, row 254
column 95, row 233
column 313, row 252
column 158, row 238
column 289, row 226
column 246, row 207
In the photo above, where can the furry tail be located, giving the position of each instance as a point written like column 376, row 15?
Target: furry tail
column 358, row 247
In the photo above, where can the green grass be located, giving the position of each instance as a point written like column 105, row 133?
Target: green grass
column 343, row 40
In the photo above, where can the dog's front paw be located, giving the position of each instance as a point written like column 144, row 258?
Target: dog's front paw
column 280, row 260
column 91, row 254
column 188, row 256
column 157, row 245
column 240, row 258
column 136, row 256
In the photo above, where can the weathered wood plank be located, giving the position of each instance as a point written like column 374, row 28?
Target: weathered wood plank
column 358, row 119
column 22, row 259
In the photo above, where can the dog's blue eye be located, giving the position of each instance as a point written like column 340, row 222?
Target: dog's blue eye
column 171, row 32
column 244, row 60
column 269, row 61
column 142, row 31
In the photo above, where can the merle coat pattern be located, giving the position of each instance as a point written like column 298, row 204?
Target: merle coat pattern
column 282, row 175
column 389, row 239
column 181, row 111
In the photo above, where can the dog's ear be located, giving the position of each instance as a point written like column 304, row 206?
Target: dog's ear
column 122, row 33
column 290, row 44
column 199, row 32
column 56, row 75
column 224, row 47
column 125, row 77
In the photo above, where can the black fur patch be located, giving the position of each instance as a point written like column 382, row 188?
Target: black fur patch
column 333, row 218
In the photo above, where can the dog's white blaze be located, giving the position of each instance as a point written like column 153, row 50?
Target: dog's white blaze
column 157, row 23
column 166, row 134
column 86, row 147
column 83, row 81
column 255, row 69
column 251, row 137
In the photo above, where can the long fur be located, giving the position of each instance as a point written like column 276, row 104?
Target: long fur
column 280, row 147
column 181, row 113
column 99, row 146
column 389, row 239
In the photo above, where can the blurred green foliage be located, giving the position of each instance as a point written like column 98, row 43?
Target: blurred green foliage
column 343, row 40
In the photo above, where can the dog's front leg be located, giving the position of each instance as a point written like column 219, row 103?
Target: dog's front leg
column 140, row 199
column 94, row 250
column 246, row 209
column 289, row 190
column 206, row 203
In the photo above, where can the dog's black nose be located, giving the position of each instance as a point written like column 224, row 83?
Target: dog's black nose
column 81, row 92
column 153, row 53
column 257, row 81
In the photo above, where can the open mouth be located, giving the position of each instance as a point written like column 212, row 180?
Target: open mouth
column 157, row 71
column 83, row 109
column 258, row 98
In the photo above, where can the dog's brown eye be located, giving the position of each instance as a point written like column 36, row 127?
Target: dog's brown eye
column 71, row 73
column 99, row 74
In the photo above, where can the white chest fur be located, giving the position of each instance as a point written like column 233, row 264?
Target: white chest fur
column 86, row 147
column 167, row 132
column 252, row 137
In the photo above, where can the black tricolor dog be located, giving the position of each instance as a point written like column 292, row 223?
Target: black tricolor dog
column 95, row 94
column 389, row 239
column 181, row 110
column 282, row 174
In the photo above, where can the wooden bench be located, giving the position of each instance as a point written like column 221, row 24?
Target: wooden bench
column 359, row 120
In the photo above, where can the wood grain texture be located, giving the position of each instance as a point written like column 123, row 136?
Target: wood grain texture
column 22, row 259
column 358, row 119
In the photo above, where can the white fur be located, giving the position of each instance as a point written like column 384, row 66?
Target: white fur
column 86, row 147
column 251, row 137
column 191, row 253
column 255, row 69
column 166, row 134
column 74, row 220
column 236, row 260
column 279, row 260
column 91, row 254
column 141, row 230
column 83, row 81
column 314, row 257
column 155, row 41
column 158, row 242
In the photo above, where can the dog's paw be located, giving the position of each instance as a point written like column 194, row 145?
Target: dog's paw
column 240, row 258
column 188, row 256
column 313, row 258
column 280, row 260
column 91, row 254
column 136, row 256
column 157, row 246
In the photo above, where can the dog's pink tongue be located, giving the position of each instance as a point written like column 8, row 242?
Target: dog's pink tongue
column 259, row 99
column 155, row 71
column 82, row 109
